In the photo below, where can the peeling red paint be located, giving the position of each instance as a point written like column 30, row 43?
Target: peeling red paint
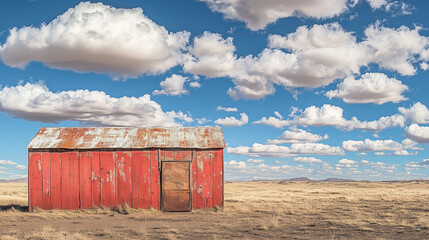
column 105, row 138
column 71, row 168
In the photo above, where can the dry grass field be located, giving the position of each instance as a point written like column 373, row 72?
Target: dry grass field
column 253, row 210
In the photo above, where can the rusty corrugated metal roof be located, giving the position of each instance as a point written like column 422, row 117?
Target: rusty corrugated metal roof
column 117, row 137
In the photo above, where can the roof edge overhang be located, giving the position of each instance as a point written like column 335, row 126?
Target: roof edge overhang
column 82, row 138
column 112, row 149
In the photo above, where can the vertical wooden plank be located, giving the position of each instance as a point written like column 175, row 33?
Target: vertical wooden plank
column 108, row 179
column 70, row 180
column 35, row 180
column 145, row 180
column 154, row 179
column 217, row 178
column 56, row 180
column 135, row 173
column 141, row 179
column 223, row 178
column 95, row 179
column 200, row 203
column 46, row 175
column 123, row 176
column 194, row 186
column 85, row 179
column 208, row 179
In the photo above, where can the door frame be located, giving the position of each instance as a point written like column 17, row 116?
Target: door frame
column 189, row 177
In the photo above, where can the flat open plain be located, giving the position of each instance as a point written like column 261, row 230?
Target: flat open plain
column 253, row 210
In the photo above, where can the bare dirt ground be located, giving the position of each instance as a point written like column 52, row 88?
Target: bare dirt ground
column 253, row 210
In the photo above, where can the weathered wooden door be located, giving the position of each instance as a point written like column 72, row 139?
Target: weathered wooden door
column 175, row 186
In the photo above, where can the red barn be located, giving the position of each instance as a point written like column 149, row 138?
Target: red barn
column 170, row 169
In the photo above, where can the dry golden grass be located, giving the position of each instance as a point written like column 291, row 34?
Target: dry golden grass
column 253, row 210
column 13, row 194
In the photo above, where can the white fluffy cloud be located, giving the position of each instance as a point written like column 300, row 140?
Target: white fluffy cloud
column 311, row 116
column 232, row 121
column 195, row 84
column 336, row 53
column 347, row 161
column 261, row 150
column 408, row 45
column 382, row 123
column 173, row 86
column 20, row 167
column 417, row 165
column 209, row 44
column 278, row 115
column 7, row 162
column 258, row 14
column 93, row 37
column 235, row 164
column 307, row 160
column 418, row 113
column 404, row 153
column 239, row 170
column 392, row 6
column 375, row 4
column 255, row 161
column 316, row 56
column 329, row 115
column 273, row 122
column 35, row 102
column 370, row 88
column 417, row 133
column 296, row 136
column 379, row 145
column 319, row 55
column 212, row 56
column 227, row 109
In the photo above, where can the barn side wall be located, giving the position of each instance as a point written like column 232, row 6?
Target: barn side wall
column 207, row 179
column 86, row 179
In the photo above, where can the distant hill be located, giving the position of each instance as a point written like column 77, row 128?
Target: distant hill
column 337, row 180
column 299, row 179
column 14, row 180
column 408, row 181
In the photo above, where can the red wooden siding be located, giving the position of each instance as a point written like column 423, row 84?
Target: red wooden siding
column 218, row 178
column 94, row 178
column 154, row 180
column 35, row 180
column 70, row 180
column 207, row 179
column 108, row 179
column 46, row 182
column 85, row 166
column 55, row 180
column 141, row 179
column 123, row 178
column 194, row 186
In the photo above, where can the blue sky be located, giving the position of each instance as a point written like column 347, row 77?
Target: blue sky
column 311, row 88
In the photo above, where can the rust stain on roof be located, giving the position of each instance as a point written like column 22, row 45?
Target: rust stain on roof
column 116, row 137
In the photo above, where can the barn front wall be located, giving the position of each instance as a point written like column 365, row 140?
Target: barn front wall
column 110, row 178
